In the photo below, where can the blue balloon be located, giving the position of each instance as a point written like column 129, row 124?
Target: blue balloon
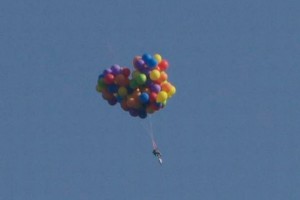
column 100, row 76
column 142, row 114
column 112, row 88
column 119, row 99
column 146, row 57
column 144, row 97
column 151, row 63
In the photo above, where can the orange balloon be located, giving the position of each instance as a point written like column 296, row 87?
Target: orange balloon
column 120, row 79
column 124, row 105
column 107, row 95
column 131, row 102
column 136, row 93
column 163, row 77
column 166, row 86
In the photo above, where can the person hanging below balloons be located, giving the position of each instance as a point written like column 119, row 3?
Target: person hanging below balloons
column 157, row 154
column 156, row 151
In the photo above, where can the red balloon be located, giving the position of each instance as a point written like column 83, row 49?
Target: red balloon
column 152, row 97
column 163, row 65
column 109, row 79
column 126, row 72
column 154, row 106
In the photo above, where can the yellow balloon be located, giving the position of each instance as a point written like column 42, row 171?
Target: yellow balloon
column 172, row 91
column 161, row 97
column 154, row 74
column 157, row 57
column 122, row 91
column 99, row 88
column 135, row 74
column 165, row 103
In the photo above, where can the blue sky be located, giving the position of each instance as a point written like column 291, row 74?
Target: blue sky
column 230, row 132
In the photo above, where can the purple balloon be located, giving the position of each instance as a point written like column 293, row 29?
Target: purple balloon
column 116, row 69
column 107, row 71
column 133, row 112
column 112, row 101
column 155, row 87
column 146, row 70
column 140, row 65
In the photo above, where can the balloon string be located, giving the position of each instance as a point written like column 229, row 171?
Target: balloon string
column 152, row 134
column 149, row 130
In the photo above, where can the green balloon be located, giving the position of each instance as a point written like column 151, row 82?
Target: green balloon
column 141, row 79
column 100, row 86
column 133, row 84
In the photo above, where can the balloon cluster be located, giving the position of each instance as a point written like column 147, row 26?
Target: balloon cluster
column 146, row 91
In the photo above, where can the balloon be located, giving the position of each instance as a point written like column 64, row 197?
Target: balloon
column 157, row 57
column 133, row 84
column 131, row 102
column 161, row 97
column 142, row 114
column 135, row 74
column 124, row 105
column 139, row 64
column 154, row 87
column 133, row 112
column 136, row 93
column 112, row 88
column 172, row 91
column 146, row 57
column 144, row 91
column 121, row 80
column 106, row 71
column 135, row 59
column 149, row 110
column 166, row 86
column 109, row 78
column 101, row 85
column 122, row 91
column 144, row 97
column 141, row 79
column 163, row 77
column 152, row 63
column 126, row 72
column 116, row 69
column 98, row 89
column 154, row 74
column 107, row 95
column 112, row 101
column 163, row 65
column 152, row 97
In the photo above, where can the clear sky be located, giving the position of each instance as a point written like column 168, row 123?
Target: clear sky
column 231, row 132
